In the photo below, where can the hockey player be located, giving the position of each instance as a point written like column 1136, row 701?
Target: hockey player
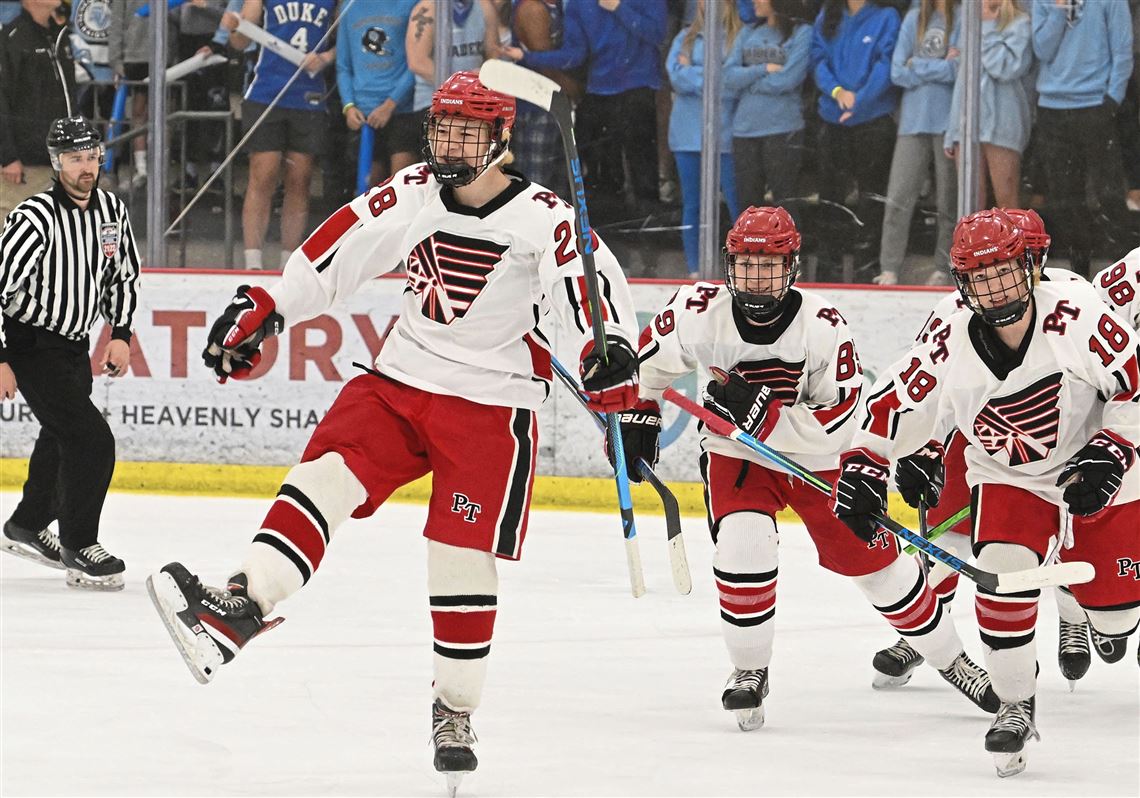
column 454, row 392
column 1119, row 287
column 793, row 379
column 895, row 665
column 1042, row 381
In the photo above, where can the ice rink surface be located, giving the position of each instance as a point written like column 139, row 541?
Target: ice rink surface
column 590, row 692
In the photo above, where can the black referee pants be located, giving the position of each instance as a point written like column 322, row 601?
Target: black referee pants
column 74, row 456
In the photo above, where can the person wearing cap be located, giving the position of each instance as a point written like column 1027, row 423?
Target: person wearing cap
column 67, row 258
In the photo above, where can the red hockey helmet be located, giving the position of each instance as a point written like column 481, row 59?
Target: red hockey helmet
column 1036, row 238
column 761, row 231
column 463, row 95
column 989, row 239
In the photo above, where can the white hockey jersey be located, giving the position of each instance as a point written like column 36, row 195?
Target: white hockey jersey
column 951, row 303
column 1023, row 413
column 1119, row 287
column 479, row 279
column 807, row 357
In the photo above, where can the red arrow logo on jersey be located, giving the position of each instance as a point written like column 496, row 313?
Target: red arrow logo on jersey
column 447, row 272
column 1023, row 425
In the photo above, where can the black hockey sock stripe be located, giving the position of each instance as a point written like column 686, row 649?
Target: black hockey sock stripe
column 1002, row 643
column 296, row 495
column 906, row 600
column 1027, row 594
column 748, row 622
column 280, row 546
column 745, row 579
column 472, row 600
column 461, row 653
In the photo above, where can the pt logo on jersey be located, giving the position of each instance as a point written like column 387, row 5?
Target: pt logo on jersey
column 109, row 239
column 1126, row 566
column 1023, row 425
column 464, row 506
column 781, row 377
column 447, row 271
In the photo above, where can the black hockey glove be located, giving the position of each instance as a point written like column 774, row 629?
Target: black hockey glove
column 1100, row 467
column 640, row 431
column 861, row 492
column 748, row 405
column 920, row 476
column 610, row 384
column 233, row 348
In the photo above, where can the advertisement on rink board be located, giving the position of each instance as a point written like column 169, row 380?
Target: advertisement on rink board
column 170, row 408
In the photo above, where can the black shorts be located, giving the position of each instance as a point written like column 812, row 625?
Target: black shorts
column 137, row 70
column 403, row 133
column 284, row 129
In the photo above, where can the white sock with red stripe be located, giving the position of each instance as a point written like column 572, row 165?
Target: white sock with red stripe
column 463, row 588
column 901, row 593
column 944, row 579
column 745, row 569
column 315, row 498
column 1007, row 622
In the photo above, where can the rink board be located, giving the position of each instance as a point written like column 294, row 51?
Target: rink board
column 169, row 408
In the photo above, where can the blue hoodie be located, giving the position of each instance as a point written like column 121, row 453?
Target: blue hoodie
column 686, row 123
column 925, row 74
column 1083, row 60
column 622, row 48
column 858, row 59
column 768, row 102
column 368, row 79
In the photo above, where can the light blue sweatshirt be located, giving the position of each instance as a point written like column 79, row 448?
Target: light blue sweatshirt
column 768, row 103
column 1005, row 117
column 369, row 79
column 858, row 59
column 1083, row 59
column 685, row 125
column 925, row 74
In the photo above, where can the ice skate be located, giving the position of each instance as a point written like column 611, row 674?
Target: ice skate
column 1109, row 649
column 452, row 738
column 972, row 681
column 93, row 568
column 894, row 666
column 207, row 624
column 1073, row 651
column 744, row 695
column 40, row 545
column 1011, row 730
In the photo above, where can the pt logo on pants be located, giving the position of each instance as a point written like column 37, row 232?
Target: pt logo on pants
column 464, row 506
column 1127, row 565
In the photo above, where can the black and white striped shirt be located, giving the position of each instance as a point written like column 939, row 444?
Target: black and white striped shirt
column 62, row 267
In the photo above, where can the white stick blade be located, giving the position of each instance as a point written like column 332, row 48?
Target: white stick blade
column 518, row 82
column 1066, row 573
column 636, row 575
column 682, row 580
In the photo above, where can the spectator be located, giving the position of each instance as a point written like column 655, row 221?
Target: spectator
column 619, row 41
column 1085, row 51
column 852, row 45
column 766, row 69
column 474, row 39
column 294, row 129
column 37, row 82
column 537, row 26
column 205, row 89
column 1004, row 119
column 375, row 83
column 925, row 65
column 686, row 65
column 1128, row 118
column 128, row 48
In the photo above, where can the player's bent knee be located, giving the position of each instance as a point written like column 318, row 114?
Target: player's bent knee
column 1005, row 557
column 453, row 570
column 330, row 484
column 1114, row 623
column 746, row 543
column 889, row 585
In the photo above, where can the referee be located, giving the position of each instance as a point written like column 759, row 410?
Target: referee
column 67, row 256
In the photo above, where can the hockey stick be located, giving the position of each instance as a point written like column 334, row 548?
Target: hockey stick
column 1070, row 573
column 942, row 528
column 678, row 560
column 545, row 93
